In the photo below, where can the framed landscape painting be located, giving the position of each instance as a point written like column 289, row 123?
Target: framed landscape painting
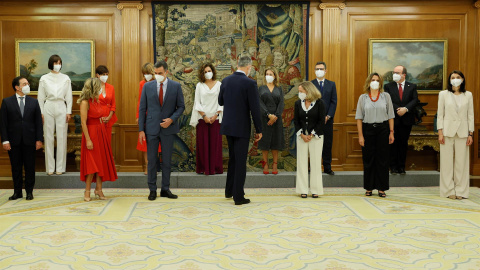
column 425, row 60
column 78, row 60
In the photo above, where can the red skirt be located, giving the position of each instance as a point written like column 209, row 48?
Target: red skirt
column 209, row 148
column 100, row 159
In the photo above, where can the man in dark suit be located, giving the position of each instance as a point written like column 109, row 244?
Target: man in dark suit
column 404, row 98
column 163, row 99
column 328, row 89
column 22, row 134
column 239, row 96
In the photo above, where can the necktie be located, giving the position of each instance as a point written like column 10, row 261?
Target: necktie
column 400, row 91
column 321, row 87
column 160, row 95
column 22, row 105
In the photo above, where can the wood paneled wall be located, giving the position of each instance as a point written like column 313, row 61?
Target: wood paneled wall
column 339, row 32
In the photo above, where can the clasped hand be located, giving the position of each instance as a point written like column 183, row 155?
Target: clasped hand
column 273, row 118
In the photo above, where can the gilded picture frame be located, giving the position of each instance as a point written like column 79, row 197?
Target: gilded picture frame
column 78, row 60
column 425, row 60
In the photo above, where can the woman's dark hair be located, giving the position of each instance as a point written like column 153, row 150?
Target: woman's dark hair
column 53, row 59
column 16, row 82
column 101, row 70
column 449, row 84
column 201, row 72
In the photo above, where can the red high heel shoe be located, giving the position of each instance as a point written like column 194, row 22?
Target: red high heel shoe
column 263, row 165
column 274, row 172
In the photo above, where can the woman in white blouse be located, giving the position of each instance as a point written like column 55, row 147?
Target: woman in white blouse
column 55, row 100
column 206, row 117
column 455, row 134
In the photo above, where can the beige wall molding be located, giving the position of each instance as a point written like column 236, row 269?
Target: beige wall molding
column 332, row 5
column 130, row 4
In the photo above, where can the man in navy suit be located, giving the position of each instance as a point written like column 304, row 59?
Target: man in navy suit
column 239, row 98
column 163, row 99
column 328, row 89
column 22, row 134
column 404, row 98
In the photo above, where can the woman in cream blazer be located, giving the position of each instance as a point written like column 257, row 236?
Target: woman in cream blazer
column 455, row 135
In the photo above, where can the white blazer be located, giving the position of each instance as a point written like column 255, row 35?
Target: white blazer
column 451, row 121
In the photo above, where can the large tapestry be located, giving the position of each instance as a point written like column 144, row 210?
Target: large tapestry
column 190, row 34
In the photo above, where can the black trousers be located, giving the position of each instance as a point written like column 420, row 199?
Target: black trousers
column 399, row 147
column 22, row 157
column 327, row 146
column 237, row 167
column 376, row 156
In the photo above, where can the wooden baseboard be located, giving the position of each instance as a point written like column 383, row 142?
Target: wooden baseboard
column 6, row 184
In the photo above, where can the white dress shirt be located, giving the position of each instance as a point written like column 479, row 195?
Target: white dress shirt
column 164, row 88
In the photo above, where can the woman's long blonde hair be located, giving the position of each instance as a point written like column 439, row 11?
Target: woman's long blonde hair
column 90, row 90
column 366, row 87
column 312, row 92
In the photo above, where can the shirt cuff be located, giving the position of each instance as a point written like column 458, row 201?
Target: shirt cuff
column 299, row 132
column 5, row 142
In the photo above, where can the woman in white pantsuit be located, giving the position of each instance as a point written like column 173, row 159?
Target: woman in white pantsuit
column 455, row 135
column 309, row 120
column 55, row 99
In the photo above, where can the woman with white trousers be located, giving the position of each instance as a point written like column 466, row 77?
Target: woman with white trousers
column 455, row 134
column 55, row 100
column 309, row 120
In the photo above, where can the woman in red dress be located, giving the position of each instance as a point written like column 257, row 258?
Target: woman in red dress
column 96, row 163
column 148, row 75
column 107, row 100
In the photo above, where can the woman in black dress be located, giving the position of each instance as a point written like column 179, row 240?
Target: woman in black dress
column 271, row 108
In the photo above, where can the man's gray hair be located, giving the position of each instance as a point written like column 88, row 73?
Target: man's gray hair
column 244, row 61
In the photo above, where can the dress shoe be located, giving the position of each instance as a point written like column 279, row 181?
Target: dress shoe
column 15, row 196
column 168, row 194
column 330, row 172
column 99, row 194
column 244, row 201
column 393, row 171
column 228, row 195
column 29, row 197
column 85, row 198
column 401, row 171
column 152, row 196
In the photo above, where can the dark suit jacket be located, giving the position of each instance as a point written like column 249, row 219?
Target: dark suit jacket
column 409, row 100
column 17, row 129
column 329, row 96
column 173, row 107
column 315, row 118
column 239, row 96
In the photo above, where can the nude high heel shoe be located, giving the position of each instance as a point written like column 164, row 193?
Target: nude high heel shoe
column 85, row 198
column 100, row 195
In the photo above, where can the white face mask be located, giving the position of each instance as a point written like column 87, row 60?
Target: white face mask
column 320, row 73
column 104, row 78
column 148, row 77
column 374, row 85
column 269, row 78
column 397, row 77
column 209, row 75
column 26, row 89
column 456, row 82
column 302, row 96
column 159, row 78
column 57, row 68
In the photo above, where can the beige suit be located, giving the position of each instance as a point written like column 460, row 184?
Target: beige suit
column 455, row 118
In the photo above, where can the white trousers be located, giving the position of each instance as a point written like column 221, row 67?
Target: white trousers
column 454, row 167
column 55, row 115
column 314, row 148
